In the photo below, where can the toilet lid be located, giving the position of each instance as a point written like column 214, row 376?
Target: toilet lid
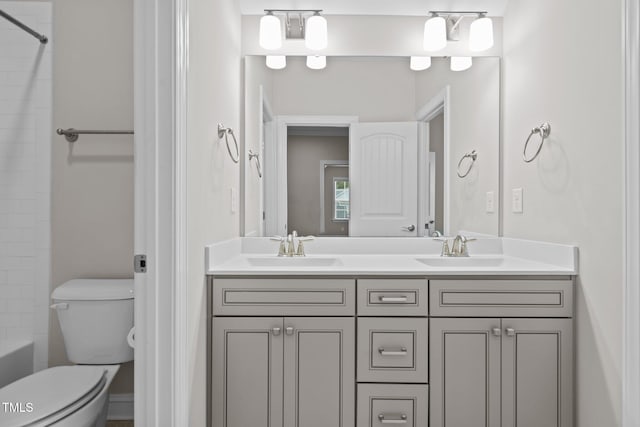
column 47, row 392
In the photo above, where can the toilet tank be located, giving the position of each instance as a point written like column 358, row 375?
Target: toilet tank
column 95, row 316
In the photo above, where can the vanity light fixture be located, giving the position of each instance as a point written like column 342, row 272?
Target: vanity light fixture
column 299, row 24
column 316, row 32
column 481, row 34
column 461, row 63
column 316, row 62
column 270, row 32
column 276, row 62
column 419, row 63
column 435, row 33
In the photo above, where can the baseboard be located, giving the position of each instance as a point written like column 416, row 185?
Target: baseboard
column 120, row 407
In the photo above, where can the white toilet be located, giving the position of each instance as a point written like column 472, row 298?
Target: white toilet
column 96, row 316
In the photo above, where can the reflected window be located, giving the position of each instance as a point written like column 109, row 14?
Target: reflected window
column 341, row 199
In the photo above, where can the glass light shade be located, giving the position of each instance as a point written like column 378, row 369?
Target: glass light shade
column 270, row 32
column 276, row 62
column 481, row 34
column 315, row 37
column 435, row 34
column 419, row 63
column 461, row 63
column 316, row 62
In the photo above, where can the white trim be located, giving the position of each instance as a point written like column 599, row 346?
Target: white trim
column 631, row 341
column 441, row 103
column 120, row 407
column 160, row 70
column 277, row 189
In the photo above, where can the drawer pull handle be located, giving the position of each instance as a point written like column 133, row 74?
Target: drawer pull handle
column 397, row 352
column 496, row 332
column 393, row 299
column 511, row 332
column 275, row 331
column 384, row 420
column 288, row 330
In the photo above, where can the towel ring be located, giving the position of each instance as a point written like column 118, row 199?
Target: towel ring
column 473, row 156
column 256, row 156
column 223, row 131
column 544, row 130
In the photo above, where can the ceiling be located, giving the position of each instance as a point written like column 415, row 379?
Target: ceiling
column 375, row 7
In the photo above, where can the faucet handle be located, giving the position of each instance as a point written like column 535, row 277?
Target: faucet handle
column 306, row 238
column 281, row 248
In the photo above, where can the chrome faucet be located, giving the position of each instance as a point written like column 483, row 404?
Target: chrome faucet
column 458, row 247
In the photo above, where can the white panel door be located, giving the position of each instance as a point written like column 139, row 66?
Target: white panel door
column 384, row 179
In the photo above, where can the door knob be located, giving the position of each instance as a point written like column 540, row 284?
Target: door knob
column 409, row 228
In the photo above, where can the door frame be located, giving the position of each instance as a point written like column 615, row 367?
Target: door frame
column 631, row 337
column 440, row 103
column 276, row 189
column 161, row 37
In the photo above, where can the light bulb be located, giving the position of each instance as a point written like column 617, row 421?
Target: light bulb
column 481, row 34
column 316, row 32
column 419, row 63
column 316, row 62
column 270, row 32
column 276, row 62
column 461, row 63
column 435, row 34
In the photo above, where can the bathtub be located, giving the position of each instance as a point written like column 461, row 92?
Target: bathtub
column 16, row 360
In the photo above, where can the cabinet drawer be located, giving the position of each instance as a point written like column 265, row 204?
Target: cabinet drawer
column 381, row 405
column 283, row 297
column 393, row 297
column 507, row 298
column 393, row 350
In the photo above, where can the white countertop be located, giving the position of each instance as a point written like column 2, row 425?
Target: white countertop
column 334, row 256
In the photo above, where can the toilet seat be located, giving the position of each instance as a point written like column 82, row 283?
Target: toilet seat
column 54, row 393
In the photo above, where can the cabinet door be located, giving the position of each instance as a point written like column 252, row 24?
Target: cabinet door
column 247, row 372
column 537, row 372
column 319, row 372
column 465, row 372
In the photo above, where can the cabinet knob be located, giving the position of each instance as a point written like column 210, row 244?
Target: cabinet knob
column 510, row 332
column 276, row 331
column 288, row 330
column 496, row 332
column 385, row 419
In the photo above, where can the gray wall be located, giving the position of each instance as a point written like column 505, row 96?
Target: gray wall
column 92, row 197
column 304, row 154
column 573, row 193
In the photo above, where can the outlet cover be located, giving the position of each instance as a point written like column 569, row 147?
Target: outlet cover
column 490, row 202
column 516, row 200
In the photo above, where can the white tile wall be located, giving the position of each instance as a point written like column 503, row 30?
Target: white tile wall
column 25, row 176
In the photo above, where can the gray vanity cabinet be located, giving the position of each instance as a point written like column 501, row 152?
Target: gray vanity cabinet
column 291, row 372
column 501, row 372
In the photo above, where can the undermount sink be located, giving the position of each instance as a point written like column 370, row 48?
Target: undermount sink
column 293, row 262
column 461, row 261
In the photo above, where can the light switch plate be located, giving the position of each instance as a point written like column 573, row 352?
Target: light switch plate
column 516, row 200
column 234, row 200
column 490, row 202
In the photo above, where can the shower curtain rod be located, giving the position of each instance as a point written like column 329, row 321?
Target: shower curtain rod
column 43, row 39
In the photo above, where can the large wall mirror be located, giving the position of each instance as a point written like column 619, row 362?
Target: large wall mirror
column 368, row 147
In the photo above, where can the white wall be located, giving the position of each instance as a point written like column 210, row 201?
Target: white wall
column 215, row 94
column 25, row 177
column 92, row 200
column 563, row 64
